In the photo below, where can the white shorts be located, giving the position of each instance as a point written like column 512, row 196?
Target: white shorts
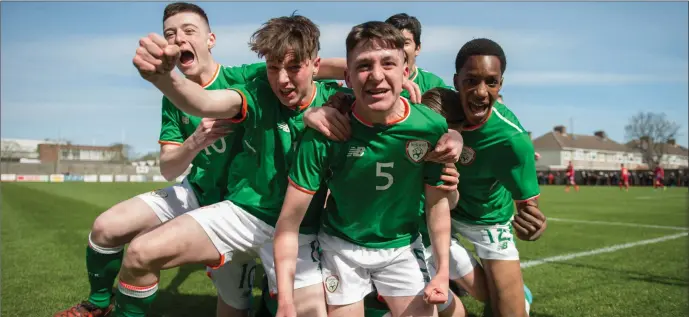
column 461, row 262
column 492, row 242
column 171, row 202
column 233, row 231
column 234, row 281
column 348, row 270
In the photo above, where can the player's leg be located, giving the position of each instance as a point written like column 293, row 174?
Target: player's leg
column 113, row 229
column 209, row 235
column 401, row 280
column 345, row 279
column 500, row 260
column 309, row 297
column 234, row 283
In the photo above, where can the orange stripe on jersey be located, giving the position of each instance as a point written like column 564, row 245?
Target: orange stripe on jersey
column 407, row 110
column 215, row 75
column 309, row 101
column 528, row 199
column 242, row 112
column 302, row 189
column 222, row 261
column 161, row 142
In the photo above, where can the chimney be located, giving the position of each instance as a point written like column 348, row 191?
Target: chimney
column 672, row 142
column 560, row 129
column 601, row 134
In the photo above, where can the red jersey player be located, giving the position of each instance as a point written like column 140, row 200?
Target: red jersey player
column 624, row 178
column 659, row 178
column 570, row 178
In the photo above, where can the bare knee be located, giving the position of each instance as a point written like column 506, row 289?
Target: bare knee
column 140, row 257
column 121, row 223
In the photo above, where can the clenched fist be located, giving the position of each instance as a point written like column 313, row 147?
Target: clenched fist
column 155, row 57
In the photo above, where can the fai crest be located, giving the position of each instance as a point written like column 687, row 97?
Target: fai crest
column 417, row 150
column 160, row 193
column 185, row 120
column 468, row 156
column 332, row 282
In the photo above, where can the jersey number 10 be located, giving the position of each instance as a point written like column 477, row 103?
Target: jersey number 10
column 217, row 150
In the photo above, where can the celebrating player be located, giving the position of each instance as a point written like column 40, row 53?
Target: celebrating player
column 497, row 169
column 571, row 178
column 624, row 177
column 411, row 29
column 371, row 234
column 270, row 113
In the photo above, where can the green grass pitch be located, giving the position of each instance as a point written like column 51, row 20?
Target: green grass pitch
column 45, row 228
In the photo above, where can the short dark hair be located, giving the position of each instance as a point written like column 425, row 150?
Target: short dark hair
column 480, row 47
column 375, row 33
column 180, row 7
column 403, row 21
column 278, row 36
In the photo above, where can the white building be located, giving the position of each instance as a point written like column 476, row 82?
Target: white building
column 586, row 152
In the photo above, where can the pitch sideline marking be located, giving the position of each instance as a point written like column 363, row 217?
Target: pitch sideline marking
column 609, row 249
column 627, row 224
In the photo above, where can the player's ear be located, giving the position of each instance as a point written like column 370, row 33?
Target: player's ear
column 417, row 50
column 456, row 82
column 316, row 65
column 346, row 76
column 500, row 85
column 211, row 40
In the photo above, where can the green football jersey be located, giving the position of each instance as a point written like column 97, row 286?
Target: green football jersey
column 258, row 176
column 208, row 174
column 425, row 80
column 497, row 167
column 375, row 178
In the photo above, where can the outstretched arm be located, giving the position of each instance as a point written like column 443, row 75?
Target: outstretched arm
column 155, row 59
column 438, row 219
column 286, row 245
column 332, row 68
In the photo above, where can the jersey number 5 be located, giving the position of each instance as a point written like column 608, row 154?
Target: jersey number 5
column 380, row 173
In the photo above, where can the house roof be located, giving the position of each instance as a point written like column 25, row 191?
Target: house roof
column 556, row 141
column 672, row 149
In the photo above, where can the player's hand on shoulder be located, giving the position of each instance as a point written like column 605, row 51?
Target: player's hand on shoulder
column 155, row 57
column 448, row 149
column 414, row 91
column 529, row 223
column 450, row 178
column 210, row 130
column 332, row 119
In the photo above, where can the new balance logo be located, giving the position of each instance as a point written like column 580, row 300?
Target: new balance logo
column 355, row 151
column 283, row 126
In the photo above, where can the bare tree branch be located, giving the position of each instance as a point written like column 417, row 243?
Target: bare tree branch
column 650, row 134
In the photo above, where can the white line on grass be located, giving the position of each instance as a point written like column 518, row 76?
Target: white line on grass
column 627, row 224
column 613, row 248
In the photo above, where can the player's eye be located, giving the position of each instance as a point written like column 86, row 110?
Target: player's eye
column 471, row 81
column 363, row 67
column 273, row 68
column 294, row 68
column 169, row 35
column 189, row 31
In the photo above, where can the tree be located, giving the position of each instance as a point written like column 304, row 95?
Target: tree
column 650, row 134
column 8, row 150
column 125, row 153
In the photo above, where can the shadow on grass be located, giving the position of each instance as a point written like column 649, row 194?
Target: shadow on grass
column 632, row 275
column 182, row 274
column 168, row 304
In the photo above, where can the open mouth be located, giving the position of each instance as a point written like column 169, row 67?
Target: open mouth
column 478, row 109
column 377, row 92
column 287, row 92
column 186, row 58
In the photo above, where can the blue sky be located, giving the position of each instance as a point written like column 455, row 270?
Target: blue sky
column 66, row 67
